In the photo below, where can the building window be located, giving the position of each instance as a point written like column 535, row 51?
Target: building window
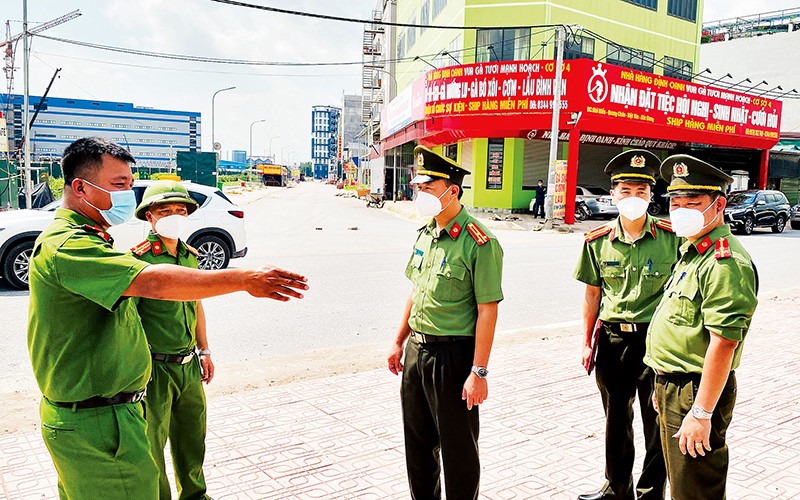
column 411, row 34
column 503, row 45
column 678, row 68
column 630, row 58
column 648, row 4
column 425, row 15
column 451, row 151
column 438, row 7
column 579, row 47
column 684, row 9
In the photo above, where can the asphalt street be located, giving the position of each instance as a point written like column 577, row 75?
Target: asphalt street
column 354, row 258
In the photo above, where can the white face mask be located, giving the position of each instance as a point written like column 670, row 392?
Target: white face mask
column 687, row 222
column 428, row 205
column 632, row 207
column 172, row 226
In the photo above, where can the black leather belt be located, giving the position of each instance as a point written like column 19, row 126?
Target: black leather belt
column 436, row 339
column 97, row 401
column 623, row 328
column 181, row 359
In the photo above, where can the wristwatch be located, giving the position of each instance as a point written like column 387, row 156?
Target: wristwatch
column 204, row 352
column 480, row 371
column 701, row 414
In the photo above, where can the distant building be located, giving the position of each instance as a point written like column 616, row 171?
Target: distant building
column 353, row 134
column 239, row 156
column 153, row 136
column 325, row 152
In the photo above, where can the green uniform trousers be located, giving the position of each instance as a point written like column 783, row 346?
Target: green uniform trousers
column 100, row 453
column 621, row 375
column 435, row 419
column 176, row 410
column 702, row 477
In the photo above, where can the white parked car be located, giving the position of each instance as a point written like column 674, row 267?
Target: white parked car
column 598, row 201
column 216, row 229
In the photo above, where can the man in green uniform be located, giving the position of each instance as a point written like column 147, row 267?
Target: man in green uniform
column 695, row 342
column 624, row 265
column 450, row 317
column 87, row 345
column 175, row 404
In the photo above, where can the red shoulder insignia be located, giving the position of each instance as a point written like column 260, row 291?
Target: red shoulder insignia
column 192, row 250
column 141, row 249
column 477, row 234
column 665, row 225
column 597, row 232
column 703, row 245
column 98, row 231
column 653, row 229
column 722, row 249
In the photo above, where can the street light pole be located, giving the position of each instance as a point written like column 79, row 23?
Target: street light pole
column 282, row 152
column 250, row 157
column 270, row 146
column 213, row 141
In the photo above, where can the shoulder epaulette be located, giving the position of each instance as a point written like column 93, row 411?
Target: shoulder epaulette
column 664, row 224
column 98, row 231
column 722, row 249
column 142, row 248
column 477, row 234
column 597, row 232
column 192, row 250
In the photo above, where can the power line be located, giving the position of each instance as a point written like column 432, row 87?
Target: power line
column 373, row 21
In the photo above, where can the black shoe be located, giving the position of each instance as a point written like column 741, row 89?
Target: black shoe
column 600, row 495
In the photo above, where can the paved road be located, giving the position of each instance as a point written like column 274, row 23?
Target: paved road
column 358, row 290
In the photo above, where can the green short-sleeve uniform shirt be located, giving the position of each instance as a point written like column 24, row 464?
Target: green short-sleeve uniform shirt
column 170, row 326
column 85, row 339
column 631, row 274
column 712, row 290
column 452, row 273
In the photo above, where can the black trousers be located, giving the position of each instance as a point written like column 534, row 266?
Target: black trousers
column 538, row 208
column 621, row 374
column 436, row 420
column 704, row 477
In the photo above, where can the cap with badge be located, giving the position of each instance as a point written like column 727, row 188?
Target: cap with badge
column 165, row 191
column 634, row 165
column 689, row 176
column 432, row 167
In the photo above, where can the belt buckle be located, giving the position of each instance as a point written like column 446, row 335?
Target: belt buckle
column 626, row 327
column 186, row 359
column 137, row 397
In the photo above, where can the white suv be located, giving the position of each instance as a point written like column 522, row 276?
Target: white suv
column 216, row 229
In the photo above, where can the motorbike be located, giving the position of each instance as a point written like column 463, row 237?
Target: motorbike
column 375, row 200
column 581, row 210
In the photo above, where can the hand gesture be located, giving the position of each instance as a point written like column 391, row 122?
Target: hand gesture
column 277, row 284
column 694, row 436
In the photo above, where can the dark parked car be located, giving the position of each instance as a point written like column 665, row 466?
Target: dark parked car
column 748, row 210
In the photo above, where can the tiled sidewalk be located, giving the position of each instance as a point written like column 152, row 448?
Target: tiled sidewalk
column 541, row 432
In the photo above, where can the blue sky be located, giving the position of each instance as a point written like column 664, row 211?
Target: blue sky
column 282, row 96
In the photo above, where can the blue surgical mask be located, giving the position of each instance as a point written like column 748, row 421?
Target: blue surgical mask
column 123, row 205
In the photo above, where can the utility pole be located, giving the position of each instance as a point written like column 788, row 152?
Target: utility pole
column 25, row 103
column 551, row 172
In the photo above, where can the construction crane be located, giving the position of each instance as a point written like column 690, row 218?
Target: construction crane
column 9, row 43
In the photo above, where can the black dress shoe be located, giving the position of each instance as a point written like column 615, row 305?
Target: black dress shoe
column 600, row 495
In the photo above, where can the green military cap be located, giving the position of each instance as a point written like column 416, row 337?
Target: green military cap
column 635, row 165
column 689, row 176
column 432, row 167
column 165, row 192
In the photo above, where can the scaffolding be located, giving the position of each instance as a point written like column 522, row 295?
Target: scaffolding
column 777, row 21
column 372, row 66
